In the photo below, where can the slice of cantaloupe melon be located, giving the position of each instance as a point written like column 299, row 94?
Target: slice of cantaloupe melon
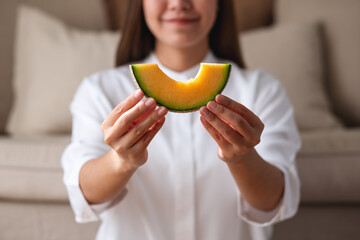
column 181, row 96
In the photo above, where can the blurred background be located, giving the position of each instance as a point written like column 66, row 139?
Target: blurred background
column 47, row 47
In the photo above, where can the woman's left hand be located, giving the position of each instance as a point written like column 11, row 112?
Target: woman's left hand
column 235, row 128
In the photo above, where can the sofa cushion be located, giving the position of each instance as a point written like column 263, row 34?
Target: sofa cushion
column 329, row 177
column 35, row 221
column 341, row 31
column 321, row 222
column 73, row 12
column 292, row 53
column 51, row 61
column 329, row 166
column 30, row 168
column 337, row 141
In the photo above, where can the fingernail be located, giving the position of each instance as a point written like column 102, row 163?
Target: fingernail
column 220, row 98
column 205, row 111
column 138, row 93
column 149, row 102
column 162, row 111
column 212, row 105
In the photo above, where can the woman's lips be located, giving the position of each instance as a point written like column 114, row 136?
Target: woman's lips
column 181, row 21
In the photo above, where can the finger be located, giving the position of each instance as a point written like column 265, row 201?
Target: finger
column 141, row 128
column 122, row 107
column 238, row 122
column 144, row 142
column 253, row 120
column 224, row 129
column 220, row 140
column 126, row 120
column 144, row 115
column 134, row 123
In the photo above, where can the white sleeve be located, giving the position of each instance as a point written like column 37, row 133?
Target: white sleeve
column 279, row 144
column 89, row 108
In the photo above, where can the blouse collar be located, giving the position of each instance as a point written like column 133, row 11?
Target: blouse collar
column 184, row 75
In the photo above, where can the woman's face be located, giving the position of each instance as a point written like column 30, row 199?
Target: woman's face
column 180, row 23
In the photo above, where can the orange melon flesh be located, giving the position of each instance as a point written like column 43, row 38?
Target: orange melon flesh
column 181, row 96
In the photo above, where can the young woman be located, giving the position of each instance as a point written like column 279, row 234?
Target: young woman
column 224, row 172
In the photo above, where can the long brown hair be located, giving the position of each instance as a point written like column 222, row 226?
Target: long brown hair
column 137, row 41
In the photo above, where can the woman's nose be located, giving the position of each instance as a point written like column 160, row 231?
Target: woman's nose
column 179, row 5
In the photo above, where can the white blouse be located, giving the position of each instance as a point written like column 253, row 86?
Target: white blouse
column 184, row 191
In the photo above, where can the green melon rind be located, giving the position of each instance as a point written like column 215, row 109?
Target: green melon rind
column 139, row 83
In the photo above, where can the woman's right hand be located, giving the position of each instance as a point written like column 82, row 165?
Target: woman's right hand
column 130, row 127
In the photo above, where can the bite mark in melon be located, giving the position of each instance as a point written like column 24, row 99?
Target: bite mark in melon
column 181, row 96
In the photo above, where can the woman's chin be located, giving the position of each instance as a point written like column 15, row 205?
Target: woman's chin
column 186, row 42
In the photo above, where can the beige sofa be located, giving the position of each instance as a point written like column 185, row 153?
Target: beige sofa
column 313, row 47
